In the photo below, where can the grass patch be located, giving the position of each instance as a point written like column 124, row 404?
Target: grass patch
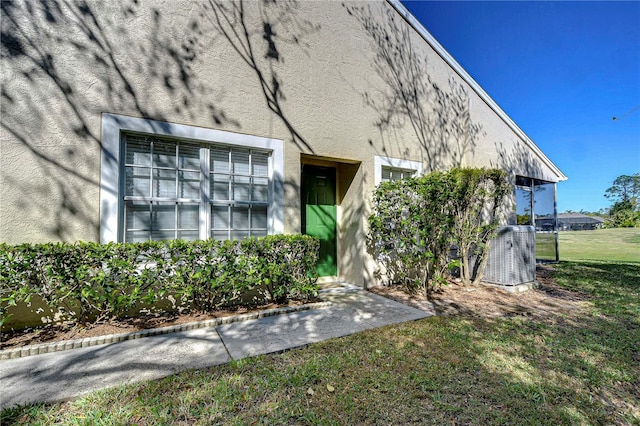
column 580, row 367
column 545, row 246
column 616, row 245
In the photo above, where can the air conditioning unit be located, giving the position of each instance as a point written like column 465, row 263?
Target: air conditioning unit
column 512, row 257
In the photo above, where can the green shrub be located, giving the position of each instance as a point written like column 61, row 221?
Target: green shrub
column 410, row 228
column 86, row 282
column 415, row 222
column 478, row 197
column 285, row 267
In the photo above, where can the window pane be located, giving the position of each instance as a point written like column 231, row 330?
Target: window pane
column 386, row 173
column 189, row 185
column 138, row 152
column 259, row 217
column 545, row 220
column 219, row 160
column 164, row 183
column 239, row 217
column 168, row 234
column 392, row 173
column 259, row 233
column 523, row 207
column 188, row 235
column 241, row 188
column 189, row 157
column 220, row 235
column 219, row 187
column 219, row 217
column 136, row 236
column 137, row 181
column 543, row 199
column 137, row 215
column 259, row 164
column 164, row 154
column 260, row 189
column 238, row 235
column 188, row 215
column 163, row 216
column 240, row 160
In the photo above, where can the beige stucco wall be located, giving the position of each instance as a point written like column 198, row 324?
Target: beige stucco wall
column 318, row 80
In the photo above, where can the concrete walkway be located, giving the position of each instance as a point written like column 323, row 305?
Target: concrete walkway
column 63, row 375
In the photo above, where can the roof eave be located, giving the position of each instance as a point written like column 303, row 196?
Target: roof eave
column 446, row 56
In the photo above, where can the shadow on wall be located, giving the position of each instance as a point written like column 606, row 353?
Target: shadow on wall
column 517, row 161
column 439, row 116
column 352, row 228
column 65, row 62
column 259, row 42
column 353, row 233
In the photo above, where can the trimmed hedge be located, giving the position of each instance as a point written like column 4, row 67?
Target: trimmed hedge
column 88, row 281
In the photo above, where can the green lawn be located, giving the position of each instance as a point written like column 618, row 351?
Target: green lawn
column 545, row 246
column 575, row 368
column 618, row 244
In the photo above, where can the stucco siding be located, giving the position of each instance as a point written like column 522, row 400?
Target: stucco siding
column 317, row 75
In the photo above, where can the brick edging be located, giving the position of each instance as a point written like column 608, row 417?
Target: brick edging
column 86, row 342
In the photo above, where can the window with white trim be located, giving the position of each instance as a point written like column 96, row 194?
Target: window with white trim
column 185, row 182
column 388, row 169
column 395, row 173
column 166, row 186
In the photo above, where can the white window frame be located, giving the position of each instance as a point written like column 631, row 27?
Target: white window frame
column 112, row 171
column 396, row 163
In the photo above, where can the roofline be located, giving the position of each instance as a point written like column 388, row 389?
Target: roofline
column 446, row 56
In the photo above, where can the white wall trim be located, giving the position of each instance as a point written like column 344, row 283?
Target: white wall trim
column 446, row 56
column 110, row 169
column 399, row 163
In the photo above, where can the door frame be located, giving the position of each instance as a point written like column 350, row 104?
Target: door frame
column 343, row 182
column 303, row 208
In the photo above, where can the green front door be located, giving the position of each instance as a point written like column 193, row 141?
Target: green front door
column 319, row 213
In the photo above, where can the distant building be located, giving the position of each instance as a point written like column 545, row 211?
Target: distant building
column 570, row 222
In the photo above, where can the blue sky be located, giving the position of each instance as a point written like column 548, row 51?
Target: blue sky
column 561, row 71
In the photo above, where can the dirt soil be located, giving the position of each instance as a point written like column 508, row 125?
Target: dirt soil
column 490, row 302
column 453, row 299
column 31, row 336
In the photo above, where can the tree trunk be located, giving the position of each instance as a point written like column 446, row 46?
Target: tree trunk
column 484, row 257
column 464, row 265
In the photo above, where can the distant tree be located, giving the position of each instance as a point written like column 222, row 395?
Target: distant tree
column 625, row 188
column 523, row 219
column 624, row 214
column 625, row 194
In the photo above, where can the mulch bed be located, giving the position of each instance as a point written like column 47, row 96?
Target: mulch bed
column 491, row 302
